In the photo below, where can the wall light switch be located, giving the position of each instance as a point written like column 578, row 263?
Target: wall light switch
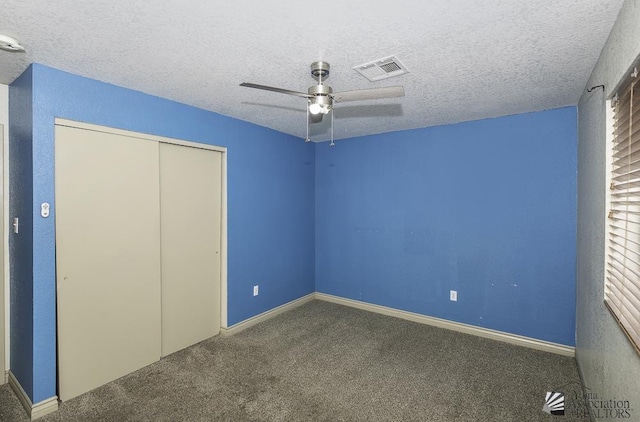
column 453, row 295
column 16, row 223
column 255, row 290
column 44, row 210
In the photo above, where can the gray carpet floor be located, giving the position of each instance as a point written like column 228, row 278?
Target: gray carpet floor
column 326, row 362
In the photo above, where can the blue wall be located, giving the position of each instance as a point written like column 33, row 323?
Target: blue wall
column 487, row 208
column 270, row 204
column 21, row 244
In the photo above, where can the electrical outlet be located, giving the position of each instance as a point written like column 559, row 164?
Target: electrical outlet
column 453, row 295
column 255, row 290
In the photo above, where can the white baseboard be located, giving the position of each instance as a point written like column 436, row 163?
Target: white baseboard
column 6, row 376
column 236, row 328
column 529, row 342
column 37, row 410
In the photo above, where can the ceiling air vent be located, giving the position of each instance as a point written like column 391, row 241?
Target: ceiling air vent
column 381, row 69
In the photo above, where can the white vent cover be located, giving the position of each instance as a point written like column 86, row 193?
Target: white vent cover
column 381, row 69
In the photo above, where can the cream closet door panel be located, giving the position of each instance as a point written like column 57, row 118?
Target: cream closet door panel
column 108, row 257
column 190, row 192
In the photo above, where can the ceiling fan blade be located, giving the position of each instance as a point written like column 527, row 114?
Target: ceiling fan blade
column 274, row 89
column 369, row 94
column 315, row 118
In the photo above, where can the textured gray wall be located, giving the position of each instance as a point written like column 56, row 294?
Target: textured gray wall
column 609, row 364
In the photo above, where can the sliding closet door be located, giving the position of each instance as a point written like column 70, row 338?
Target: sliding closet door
column 108, row 257
column 190, row 192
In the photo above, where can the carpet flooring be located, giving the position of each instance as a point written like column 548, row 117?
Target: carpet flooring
column 326, row 362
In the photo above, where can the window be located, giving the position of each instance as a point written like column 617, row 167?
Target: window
column 622, row 276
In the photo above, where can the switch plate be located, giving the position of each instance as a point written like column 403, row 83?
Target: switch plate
column 453, row 295
column 255, row 290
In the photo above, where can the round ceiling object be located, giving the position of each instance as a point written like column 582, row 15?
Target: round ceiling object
column 10, row 44
column 320, row 70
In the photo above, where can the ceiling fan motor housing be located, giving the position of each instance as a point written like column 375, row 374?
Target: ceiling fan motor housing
column 319, row 90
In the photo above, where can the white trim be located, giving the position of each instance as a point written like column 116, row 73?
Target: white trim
column 529, row 342
column 223, row 247
column 4, row 120
column 128, row 133
column 37, row 410
column 236, row 328
column 4, row 291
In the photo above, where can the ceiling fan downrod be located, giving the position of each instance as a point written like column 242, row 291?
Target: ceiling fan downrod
column 320, row 98
column 321, row 101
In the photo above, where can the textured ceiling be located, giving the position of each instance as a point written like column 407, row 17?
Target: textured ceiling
column 468, row 59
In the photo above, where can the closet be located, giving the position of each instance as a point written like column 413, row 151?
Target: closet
column 138, row 251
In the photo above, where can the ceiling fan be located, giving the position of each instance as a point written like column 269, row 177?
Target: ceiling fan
column 321, row 98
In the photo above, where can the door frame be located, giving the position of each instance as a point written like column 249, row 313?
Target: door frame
column 223, row 214
column 4, row 288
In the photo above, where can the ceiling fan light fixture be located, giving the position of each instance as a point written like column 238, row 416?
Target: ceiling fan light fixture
column 320, row 104
column 314, row 108
column 319, row 109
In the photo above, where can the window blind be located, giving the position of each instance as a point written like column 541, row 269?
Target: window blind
column 622, row 278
